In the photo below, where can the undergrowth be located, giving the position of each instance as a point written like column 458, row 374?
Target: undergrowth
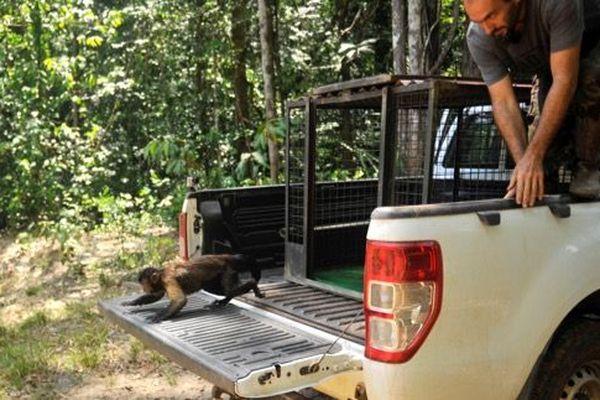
column 64, row 343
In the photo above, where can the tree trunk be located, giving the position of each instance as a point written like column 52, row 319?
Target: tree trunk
column 431, row 32
column 239, row 38
column 266, row 45
column 415, row 38
column 277, row 56
column 411, row 135
column 445, row 48
column 399, row 35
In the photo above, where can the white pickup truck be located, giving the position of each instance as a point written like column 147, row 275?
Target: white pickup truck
column 386, row 294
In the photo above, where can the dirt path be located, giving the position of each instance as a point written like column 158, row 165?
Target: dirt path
column 127, row 385
column 47, row 303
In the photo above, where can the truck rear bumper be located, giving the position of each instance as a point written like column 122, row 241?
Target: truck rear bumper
column 240, row 348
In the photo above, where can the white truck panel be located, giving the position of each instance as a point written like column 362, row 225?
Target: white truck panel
column 194, row 240
column 506, row 289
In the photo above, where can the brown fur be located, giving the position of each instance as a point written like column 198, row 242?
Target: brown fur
column 218, row 274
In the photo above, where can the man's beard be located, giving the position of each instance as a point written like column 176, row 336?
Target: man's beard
column 513, row 35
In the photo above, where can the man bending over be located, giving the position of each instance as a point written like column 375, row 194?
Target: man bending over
column 558, row 41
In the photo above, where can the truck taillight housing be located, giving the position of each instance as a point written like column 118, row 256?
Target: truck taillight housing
column 402, row 297
column 183, row 237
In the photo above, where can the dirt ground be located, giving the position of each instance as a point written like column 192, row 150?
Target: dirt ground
column 142, row 385
column 54, row 344
column 36, row 277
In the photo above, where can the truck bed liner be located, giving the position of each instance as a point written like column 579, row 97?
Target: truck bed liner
column 231, row 346
column 315, row 307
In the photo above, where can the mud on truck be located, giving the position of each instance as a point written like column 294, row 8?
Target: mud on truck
column 393, row 268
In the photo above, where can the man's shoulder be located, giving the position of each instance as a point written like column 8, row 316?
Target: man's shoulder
column 473, row 31
column 552, row 9
column 476, row 37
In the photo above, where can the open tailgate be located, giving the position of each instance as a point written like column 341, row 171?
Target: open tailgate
column 241, row 349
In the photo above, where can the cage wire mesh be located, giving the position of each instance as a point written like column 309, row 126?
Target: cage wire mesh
column 469, row 159
column 296, row 171
column 447, row 149
column 346, row 169
column 410, row 159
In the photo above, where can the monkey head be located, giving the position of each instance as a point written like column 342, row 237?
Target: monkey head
column 150, row 279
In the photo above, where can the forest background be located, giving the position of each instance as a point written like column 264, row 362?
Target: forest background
column 106, row 106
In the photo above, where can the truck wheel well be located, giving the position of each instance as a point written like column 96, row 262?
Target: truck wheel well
column 588, row 308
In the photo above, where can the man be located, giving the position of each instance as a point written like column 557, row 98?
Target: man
column 545, row 37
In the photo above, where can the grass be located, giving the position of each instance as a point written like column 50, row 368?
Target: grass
column 20, row 356
column 42, row 346
column 171, row 375
column 71, row 338
column 33, row 290
column 86, row 346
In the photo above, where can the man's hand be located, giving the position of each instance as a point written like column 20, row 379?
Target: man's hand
column 527, row 180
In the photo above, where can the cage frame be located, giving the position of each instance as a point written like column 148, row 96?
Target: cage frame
column 380, row 92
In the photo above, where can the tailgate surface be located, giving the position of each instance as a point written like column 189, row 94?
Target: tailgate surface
column 223, row 345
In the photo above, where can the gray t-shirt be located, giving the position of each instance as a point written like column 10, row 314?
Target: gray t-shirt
column 550, row 26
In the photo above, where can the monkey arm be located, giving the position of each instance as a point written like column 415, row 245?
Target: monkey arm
column 178, row 300
column 145, row 299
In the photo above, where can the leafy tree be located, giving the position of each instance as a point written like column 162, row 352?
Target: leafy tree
column 105, row 100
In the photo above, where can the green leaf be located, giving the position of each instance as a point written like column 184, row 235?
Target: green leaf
column 260, row 158
column 94, row 41
column 152, row 149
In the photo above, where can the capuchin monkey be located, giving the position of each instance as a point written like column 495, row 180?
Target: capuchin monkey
column 218, row 274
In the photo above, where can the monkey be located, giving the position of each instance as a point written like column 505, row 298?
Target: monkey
column 218, row 274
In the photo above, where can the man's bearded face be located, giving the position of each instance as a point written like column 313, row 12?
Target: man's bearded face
column 498, row 18
column 510, row 34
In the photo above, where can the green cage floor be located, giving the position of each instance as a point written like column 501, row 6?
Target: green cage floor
column 348, row 277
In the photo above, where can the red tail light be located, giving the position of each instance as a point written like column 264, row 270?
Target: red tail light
column 183, row 237
column 403, row 296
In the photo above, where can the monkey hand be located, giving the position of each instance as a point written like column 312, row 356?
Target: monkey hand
column 156, row 318
column 218, row 303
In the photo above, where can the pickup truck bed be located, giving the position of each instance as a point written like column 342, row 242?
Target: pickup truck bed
column 323, row 310
column 252, row 345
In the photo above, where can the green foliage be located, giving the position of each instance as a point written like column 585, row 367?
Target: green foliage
column 86, row 350
column 105, row 106
column 56, row 334
column 80, row 100
column 33, row 290
column 348, row 145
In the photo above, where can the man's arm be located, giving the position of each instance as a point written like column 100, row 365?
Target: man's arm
column 565, row 67
column 507, row 116
column 527, row 181
column 528, row 176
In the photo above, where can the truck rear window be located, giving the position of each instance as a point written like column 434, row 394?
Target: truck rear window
column 480, row 143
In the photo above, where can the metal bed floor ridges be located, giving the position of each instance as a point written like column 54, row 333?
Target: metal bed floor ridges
column 233, row 338
column 318, row 308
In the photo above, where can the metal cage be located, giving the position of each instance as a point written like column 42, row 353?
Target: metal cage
column 382, row 141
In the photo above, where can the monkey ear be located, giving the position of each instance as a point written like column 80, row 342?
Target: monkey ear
column 155, row 278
